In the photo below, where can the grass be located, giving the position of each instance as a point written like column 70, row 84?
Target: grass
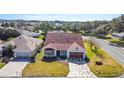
column 11, row 38
column 40, row 37
column 45, row 69
column 106, row 37
column 110, row 67
column 1, row 64
column 117, row 41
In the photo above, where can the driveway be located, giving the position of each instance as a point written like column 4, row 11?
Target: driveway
column 13, row 69
column 80, row 71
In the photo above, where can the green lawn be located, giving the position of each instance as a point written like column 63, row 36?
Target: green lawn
column 110, row 67
column 117, row 41
column 1, row 64
column 11, row 38
column 40, row 37
column 45, row 69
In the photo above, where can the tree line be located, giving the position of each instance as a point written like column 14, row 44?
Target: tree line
column 90, row 27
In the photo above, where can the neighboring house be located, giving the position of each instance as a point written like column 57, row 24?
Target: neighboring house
column 61, row 44
column 118, row 35
column 25, row 46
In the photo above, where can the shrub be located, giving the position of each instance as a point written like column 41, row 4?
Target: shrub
column 99, row 63
column 87, row 59
column 62, row 57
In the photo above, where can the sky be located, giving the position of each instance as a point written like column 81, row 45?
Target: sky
column 61, row 17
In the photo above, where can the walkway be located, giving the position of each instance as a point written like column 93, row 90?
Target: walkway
column 80, row 71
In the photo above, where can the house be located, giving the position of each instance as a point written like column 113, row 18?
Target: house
column 25, row 46
column 62, row 44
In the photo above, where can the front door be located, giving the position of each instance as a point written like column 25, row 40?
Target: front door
column 58, row 53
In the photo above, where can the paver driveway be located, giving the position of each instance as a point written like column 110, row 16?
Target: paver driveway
column 13, row 69
column 80, row 71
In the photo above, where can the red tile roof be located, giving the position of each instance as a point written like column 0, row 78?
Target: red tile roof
column 62, row 40
column 57, row 46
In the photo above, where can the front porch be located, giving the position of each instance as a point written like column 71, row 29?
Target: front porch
column 50, row 53
column 54, row 55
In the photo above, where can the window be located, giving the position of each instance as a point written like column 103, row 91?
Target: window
column 63, row 52
column 49, row 52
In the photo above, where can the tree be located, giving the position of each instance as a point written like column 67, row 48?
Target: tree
column 100, row 31
column 8, row 50
column 12, row 25
column 8, row 33
column 6, row 24
column 94, row 45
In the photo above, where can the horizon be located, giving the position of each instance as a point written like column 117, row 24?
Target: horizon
column 60, row 17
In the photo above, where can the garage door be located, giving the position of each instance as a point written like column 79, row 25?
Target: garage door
column 22, row 55
column 76, row 55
